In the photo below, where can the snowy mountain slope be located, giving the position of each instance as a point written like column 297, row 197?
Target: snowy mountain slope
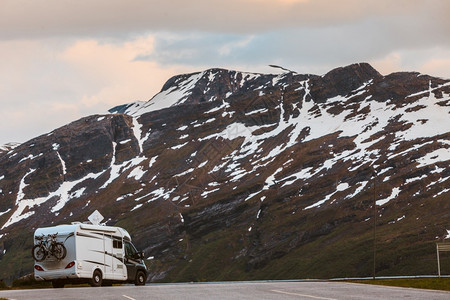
column 260, row 169
column 201, row 87
column 7, row 147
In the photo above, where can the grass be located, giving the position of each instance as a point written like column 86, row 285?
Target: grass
column 435, row 283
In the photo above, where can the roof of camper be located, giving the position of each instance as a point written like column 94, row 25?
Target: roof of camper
column 77, row 226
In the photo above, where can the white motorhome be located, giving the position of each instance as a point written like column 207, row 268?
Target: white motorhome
column 96, row 254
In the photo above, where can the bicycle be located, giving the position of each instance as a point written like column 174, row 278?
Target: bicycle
column 48, row 246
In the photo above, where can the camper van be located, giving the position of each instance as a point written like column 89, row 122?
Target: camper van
column 99, row 255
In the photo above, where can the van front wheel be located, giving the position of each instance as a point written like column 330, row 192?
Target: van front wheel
column 96, row 279
column 140, row 278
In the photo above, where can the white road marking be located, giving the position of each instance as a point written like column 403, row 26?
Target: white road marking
column 302, row 295
column 128, row 297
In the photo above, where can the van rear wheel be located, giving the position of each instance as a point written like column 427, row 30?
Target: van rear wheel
column 96, row 279
column 58, row 284
column 140, row 278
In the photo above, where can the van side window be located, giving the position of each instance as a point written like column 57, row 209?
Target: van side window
column 117, row 244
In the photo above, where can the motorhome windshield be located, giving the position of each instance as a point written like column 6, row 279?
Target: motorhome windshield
column 130, row 250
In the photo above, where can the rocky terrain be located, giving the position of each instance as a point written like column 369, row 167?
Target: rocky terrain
column 228, row 175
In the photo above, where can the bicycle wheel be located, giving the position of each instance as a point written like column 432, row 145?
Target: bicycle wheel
column 59, row 251
column 38, row 253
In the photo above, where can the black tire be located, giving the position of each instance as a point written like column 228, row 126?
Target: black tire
column 58, row 284
column 96, row 279
column 59, row 251
column 38, row 253
column 140, row 278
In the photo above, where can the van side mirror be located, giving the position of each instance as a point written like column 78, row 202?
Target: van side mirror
column 139, row 255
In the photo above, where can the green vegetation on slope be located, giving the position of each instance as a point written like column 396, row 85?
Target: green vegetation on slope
column 420, row 283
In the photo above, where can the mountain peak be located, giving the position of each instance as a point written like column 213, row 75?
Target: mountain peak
column 343, row 80
column 362, row 70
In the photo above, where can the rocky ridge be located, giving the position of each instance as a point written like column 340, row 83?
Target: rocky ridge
column 227, row 175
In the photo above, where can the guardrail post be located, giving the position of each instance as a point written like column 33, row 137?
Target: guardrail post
column 439, row 264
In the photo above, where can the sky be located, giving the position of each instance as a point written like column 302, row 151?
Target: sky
column 61, row 60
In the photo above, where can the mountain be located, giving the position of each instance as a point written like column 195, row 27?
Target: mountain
column 228, row 175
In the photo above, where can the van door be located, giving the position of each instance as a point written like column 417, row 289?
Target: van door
column 108, row 266
column 119, row 268
column 132, row 260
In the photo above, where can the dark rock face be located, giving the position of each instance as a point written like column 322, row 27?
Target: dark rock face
column 341, row 81
column 227, row 175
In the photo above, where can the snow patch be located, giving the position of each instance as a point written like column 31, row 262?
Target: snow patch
column 5, row 212
column 78, row 193
column 179, row 146
column 137, row 173
column 394, row 194
column 442, row 192
column 185, row 172
column 125, row 141
column 63, row 193
column 434, row 157
column 30, row 157
column 173, row 96
column 63, row 163
column 136, row 207
column 138, row 133
column 342, row 186
column 409, row 180
column 152, row 161
column 258, row 111
column 358, row 190
column 202, row 164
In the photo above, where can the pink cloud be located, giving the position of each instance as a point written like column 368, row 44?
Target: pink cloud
column 437, row 67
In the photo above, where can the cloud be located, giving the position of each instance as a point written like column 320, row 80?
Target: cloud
column 44, row 87
column 306, row 50
column 300, row 34
column 433, row 61
column 40, row 18
column 62, row 60
column 115, row 73
column 388, row 64
column 436, row 66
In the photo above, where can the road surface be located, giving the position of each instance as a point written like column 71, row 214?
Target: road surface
column 233, row 290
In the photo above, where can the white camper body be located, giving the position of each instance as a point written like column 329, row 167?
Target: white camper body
column 91, row 249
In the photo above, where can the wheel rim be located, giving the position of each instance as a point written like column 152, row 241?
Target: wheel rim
column 59, row 251
column 39, row 254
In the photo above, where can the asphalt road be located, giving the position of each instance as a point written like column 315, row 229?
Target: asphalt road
column 232, row 290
